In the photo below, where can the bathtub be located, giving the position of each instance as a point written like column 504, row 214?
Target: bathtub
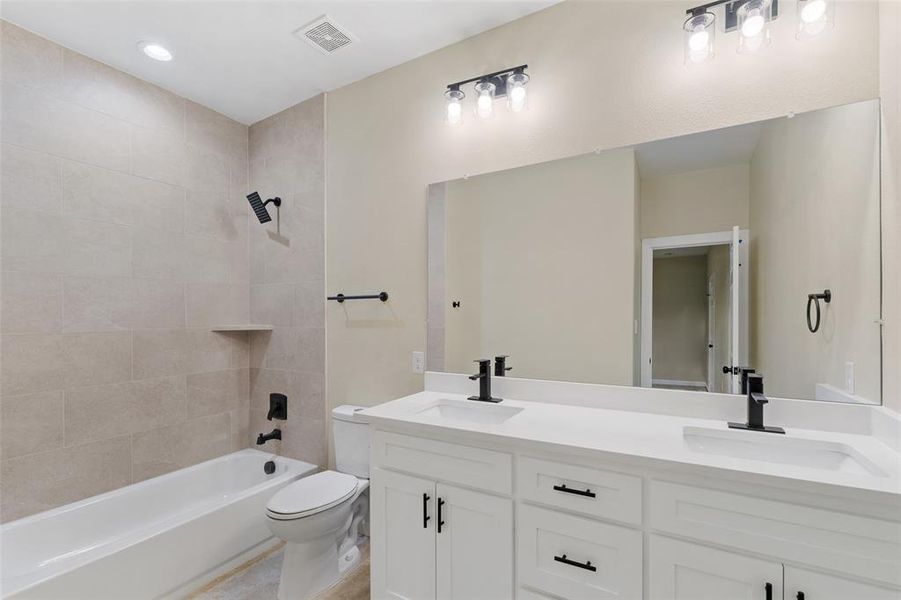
column 160, row 538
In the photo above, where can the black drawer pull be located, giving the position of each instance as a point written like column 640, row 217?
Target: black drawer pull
column 425, row 510
column 800, row 596
column 586, row 493
column 586, row 565
column 440, row 522
column 768, row 588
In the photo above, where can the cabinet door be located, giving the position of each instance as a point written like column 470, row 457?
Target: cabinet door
column 807, row 585
column 474, row 545
column 403, row 536
column 684, row 571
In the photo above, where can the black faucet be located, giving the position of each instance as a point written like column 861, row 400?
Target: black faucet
column 484, row 377
column 752, row 386
column 275, row 434
column 500, row 365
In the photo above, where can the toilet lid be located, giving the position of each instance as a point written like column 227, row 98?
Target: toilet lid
column 313, row 494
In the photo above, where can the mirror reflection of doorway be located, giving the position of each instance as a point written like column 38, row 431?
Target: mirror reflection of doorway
column 693, row 332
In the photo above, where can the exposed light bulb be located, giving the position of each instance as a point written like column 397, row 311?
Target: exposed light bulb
column 516, row 90
column 454, row 106
column 485, row 101
column 156, row 51
column 698, row 40
column 699, row 37
column 813, row 11
column 753, row 25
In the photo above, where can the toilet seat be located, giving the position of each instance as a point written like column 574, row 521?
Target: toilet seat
column 311, row 495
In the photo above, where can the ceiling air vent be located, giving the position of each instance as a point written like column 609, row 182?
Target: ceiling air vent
column 325, row 34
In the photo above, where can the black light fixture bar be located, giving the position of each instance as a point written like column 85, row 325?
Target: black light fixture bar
column 730, row 18
column 495, row 78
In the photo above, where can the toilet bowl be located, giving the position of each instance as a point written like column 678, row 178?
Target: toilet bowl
column 322, row 516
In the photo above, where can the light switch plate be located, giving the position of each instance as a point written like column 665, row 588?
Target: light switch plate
column 419, row 362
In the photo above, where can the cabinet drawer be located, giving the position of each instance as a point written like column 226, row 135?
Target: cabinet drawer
column 482, row 469
column 574, row 557
column 869, row 548
column 581, row 489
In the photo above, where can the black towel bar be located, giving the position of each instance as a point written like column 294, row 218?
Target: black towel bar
column 383, row 296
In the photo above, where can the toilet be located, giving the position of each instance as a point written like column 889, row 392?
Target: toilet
column 321, row 516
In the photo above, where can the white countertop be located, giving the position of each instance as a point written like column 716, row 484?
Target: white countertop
column 645, row 436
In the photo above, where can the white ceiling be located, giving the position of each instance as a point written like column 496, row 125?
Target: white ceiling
column 706, row 150
column 240, row 58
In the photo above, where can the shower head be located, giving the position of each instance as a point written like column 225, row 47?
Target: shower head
column 259, row 207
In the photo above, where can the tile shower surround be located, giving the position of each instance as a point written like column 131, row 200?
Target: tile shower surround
column 125, row 235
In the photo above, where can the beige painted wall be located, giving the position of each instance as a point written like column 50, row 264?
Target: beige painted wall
column 287, row 279
column 124, row 238
column 546, row 245
column 890, row 92
column 602, row 84
column 815, row 225
column 679, row 349
column 701, row 201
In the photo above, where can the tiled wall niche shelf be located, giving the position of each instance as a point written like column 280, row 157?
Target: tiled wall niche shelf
column 245, row 327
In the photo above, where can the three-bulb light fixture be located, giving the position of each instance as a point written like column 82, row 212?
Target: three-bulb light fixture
column 509, row 83
column 751, row 18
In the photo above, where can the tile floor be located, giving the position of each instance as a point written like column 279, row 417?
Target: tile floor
column 258, row 580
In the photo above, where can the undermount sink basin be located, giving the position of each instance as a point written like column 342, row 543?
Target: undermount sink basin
column 781, row 449
column 470, row 411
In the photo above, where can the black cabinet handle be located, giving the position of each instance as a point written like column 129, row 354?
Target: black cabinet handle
column 768, row 587
column 586, row 493
column 800, row 596
column 440, row 522
column 425, row 510
column 586, row 565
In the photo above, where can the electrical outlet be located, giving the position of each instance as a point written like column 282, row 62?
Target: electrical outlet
column 849, row 377
column 419, row 362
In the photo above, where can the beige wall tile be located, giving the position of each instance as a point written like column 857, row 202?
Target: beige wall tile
column 106, row 411
column 29, row 179
column 31, row 363
column 205, row 128
column 95, row 358
column 28, row 59
column 32, row 241
column 158, row 254
column 216, row 351
column 177, row 446
column 41, row 481
column 31, row 423
column 160, row 353
column 208, row 260
column 309, row 304
column 205, row 169
column 95, row 248
column 94, row 193
column 32, row 302
column 209, row 304
column 94, row 85
column 218, row 392
column 114, row 304
column 212, row 214
column 159, row 154
column 41, row 122
column 272, row 304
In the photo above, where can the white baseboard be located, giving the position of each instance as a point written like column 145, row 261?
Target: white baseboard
column 701, row 385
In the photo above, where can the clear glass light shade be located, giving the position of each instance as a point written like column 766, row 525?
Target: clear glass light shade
column 484, row 99
column 700, row 35
column 516, row 91
column 754, row 25
column 454, row 106
column 814, row 17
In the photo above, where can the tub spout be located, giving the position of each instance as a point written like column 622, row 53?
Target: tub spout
column 275, row 434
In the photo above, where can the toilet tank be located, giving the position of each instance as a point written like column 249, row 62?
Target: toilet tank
column 351, row 439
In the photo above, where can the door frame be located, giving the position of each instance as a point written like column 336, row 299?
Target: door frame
column 648, row 246
column 711, row 331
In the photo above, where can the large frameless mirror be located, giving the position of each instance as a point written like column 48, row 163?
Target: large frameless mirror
column 673, row 263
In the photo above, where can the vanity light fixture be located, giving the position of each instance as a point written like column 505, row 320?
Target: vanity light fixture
column 510, row 83
column 751, row 19
column 155, row 51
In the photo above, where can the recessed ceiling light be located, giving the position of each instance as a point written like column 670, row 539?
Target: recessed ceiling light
column 155, row 51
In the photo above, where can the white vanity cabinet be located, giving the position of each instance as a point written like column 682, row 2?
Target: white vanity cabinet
column 519, row 522
column 430, row 537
